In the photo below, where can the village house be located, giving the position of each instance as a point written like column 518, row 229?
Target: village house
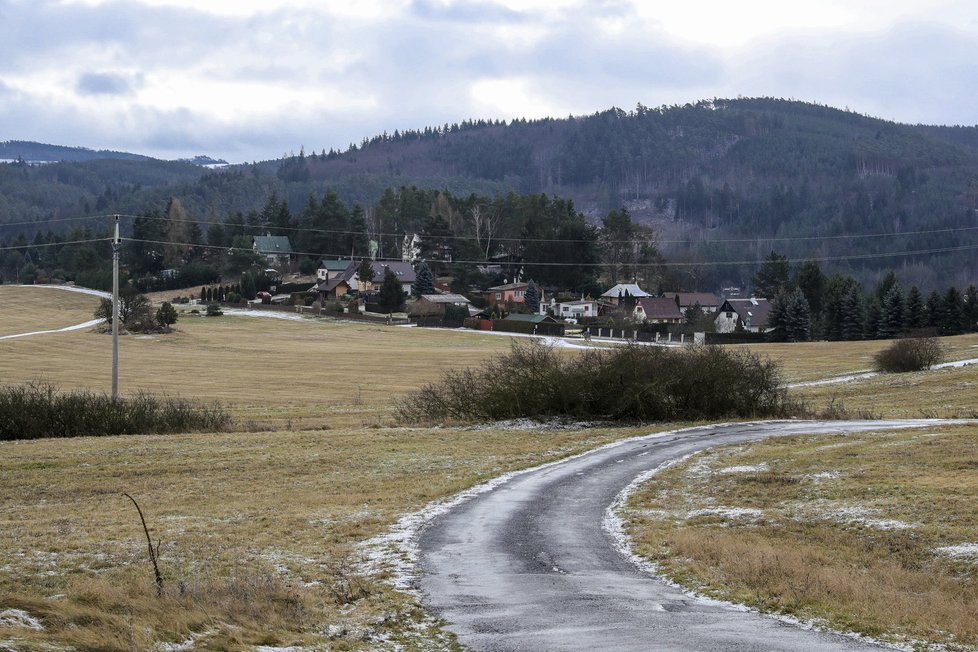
column 330, row 269
column 434, row 304
column 572, row 309
column 657, row 310
column 403, row 271
column 685, row 300
column 618, row 292
column 333, row 288
column 276, row 249
column 508, row 293
column 748, row 314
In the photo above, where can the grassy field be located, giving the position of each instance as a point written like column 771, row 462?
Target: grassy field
column 26, row 310
column 259, row 528
column 875, row 533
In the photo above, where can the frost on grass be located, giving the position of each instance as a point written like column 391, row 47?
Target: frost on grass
column 965, row 551
column 19, row 618
column 732, row 513
column 753, row 468
column 854, row 515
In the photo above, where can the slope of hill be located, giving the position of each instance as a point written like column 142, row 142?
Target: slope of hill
column 721, row 180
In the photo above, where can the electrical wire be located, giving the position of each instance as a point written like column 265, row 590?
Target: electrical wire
column 893, row 254
column 298, row 229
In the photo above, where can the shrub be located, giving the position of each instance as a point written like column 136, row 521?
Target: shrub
column 911, row 354
column 214, row 310
column 166, row 316
column 629, row 383
column 34, row 411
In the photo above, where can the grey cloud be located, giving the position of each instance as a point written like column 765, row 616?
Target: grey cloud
column 914, row 72
column 104, row 83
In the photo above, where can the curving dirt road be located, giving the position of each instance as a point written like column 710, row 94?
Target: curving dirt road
column 529, row 566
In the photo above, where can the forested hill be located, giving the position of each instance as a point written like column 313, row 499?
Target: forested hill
column 721, row 180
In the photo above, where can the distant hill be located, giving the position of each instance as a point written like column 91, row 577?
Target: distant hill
column 21, row 150
column 720, row 180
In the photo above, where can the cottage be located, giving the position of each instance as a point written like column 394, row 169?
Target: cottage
column 508, row 293
column 749, row 314
column 529, row 324
column 330, row 269
column 403, row 271
column 434, row 304
column 657, row 310
column 575, row 309
column 276, row 249
column 615, row 294
column 331, row 289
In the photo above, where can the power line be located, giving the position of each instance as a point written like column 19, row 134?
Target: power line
column 53, row 244
column 892, row 254
column 299, row 229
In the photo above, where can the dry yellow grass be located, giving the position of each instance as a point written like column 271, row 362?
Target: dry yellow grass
column 850, row 531
column 288, row 373
column 807, row 361
column 26, row 310
column 258, row 529
column 943, row 393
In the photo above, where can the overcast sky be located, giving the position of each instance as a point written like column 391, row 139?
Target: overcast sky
column 255, row 79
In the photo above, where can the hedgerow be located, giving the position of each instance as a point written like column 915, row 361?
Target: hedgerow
column 629, row 383
column 35, row 410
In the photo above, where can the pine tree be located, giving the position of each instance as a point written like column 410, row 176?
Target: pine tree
column 916, row 311
column 391, row 295
column 366, row 273
column 892, row 317
column 777, row 318
column 953, row 313
column 935, row 310
column 424, row 281
column 852, row 315
column 798, row 318
column 772, row 277
column 971, row 309
column 532, row 299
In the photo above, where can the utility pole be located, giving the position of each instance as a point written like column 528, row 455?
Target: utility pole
column 115, row 312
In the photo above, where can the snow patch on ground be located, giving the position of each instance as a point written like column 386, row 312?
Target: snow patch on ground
column 755, row 468
column 72, row 288
column 960, row 551
column 77, row 327
column 822, row 475
column 287, row 316
column 727, row 512
column 855, row 515
column 871, row 374
column 19, row 618
column 531, row 424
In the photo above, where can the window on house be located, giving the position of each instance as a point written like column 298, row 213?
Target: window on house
column 499, row 296
column 729, row 315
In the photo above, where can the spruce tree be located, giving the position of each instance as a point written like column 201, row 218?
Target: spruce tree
column 915, row 311
column 892, row 318
column 391, row 295
column 971, row 309
column 531, row 298
column 953, row 313
column 366, row 273
column 935, row 310
column 777, row 319
column 852, row 315
column 798, row 320
column 424, row 282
